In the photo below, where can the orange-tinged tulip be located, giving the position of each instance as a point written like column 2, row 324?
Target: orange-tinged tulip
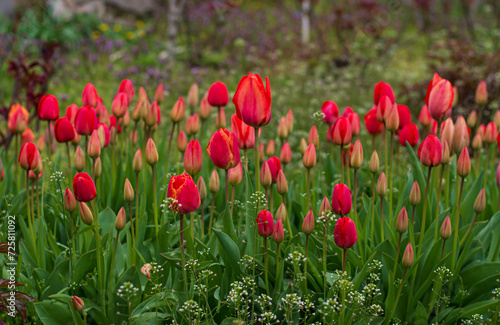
column 482, row 93
column 205, row 109
column 308, row 223
column 313, row 137
column 29, row 156
column 223, row 149
column 192, row 124
column 120, row 104
column 94, row 146
column 27, row 136
column 181, row 141
column 178, row 111
column 235, row 175
column 282, row 128
column 192, row 97
column 285, row 153
column 309, row 158
column 17, row 120
column 270, row 148
column 243, row 132
column 151, row 152
column 159, row 94
column 193, row 157
column 374, row 162
column 220, row 119
column 184, row 192
column 253, row 101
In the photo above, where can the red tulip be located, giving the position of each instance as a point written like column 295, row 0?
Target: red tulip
column 490, row 133
column 383, row 106
column 383, row 89
column 217, row 94
column 481, row 93
column 341, row 199
column 104, row 134
column 69, row 200
column 152, row 114
column 184, row 192
column 223, row 149
column 29, row 156
column 330, row 112
column 409, row 134
column 17, row 120
column 286, row 153
column 89, row 96
column 354, row 122
column 274, row 166
column 408, row 256
column 424, row 118
column 309, row 158
column 265, row 223
column 463, row 163
column 253, row 101
column 308, row 223
column 278, row 232
column 27, row 136
column 64, row 130
column 341, row 132
column 348, row 111
column 48, row 108
column 193, row 157
column 435, row 79
column 243, row 132
column 127, row 87
column 430, row 151
column 404, row 116
column 84, row 187
column 313, row 137
column 178, row 111
column 192, row 124
column 85, row 120
column 373, row 126
column 345, row 234
column 205, row 109
column 440, row 100
column 120, row 104
column 236, row 175
column 159, row 94
column 182, row 141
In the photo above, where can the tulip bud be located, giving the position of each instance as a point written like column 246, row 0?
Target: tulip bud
column 415, row 194
column 261, row 152
column 481, row 93
column 313, row 136
column 137, row 162
column 235, row 175
column 278, row 232
column 402, row 221
column 477, row 142
column 94, row 146
column 205, row 109
column 214, row 183
column 308, row 224
column 341, row 199
column 265, row 175
column 97, row 167
column 281, row 183
column 120, row 104
column 480, row 202
column 309, row 159
column 408, row 256
column 303, row 145
column 282, row 128
column 79, row 159
column 282, row 213
column 374, row 162
column 496, row 118
column 289, row 120
column 121, row 219
column 192, row 97
column 463, row 163
column 69, row 201
column 424, row 117
column 472, row 119
column 202, row 188
column 178, row 111
column 490, row 133
column 192, row 124
column 345, row 234
column 445, row 230
column 77, row 303
column 270, row 148
column 140, row 109
column 151, row 114
column 128, row 191
column 392, row 121
column 285, row 154
column 460, row 135
column 85, row 213
column 151, row 152
column 265, row 223
column 220, row 119
column 445, row 156
column 181, row 141
column 357, row 155
column 325, row 207
column 447, row 130
column 159, row 94
column 341, row 133
column 382, row 185
column 193, row 157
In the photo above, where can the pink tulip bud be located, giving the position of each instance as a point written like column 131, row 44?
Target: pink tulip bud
column 77, row 303
column 285, row 154
column 402, row 221
column 94, row 146
column 309, row 159
column 69, row 201
column 325, row 207
column 151, row 152
column 128, row 191
column 313, row 136
column 463, row 163
column 480, row 202
column 265, row 223
column 374, row 162
column 415, row 194
column 121, row 219
column 182, row 141
column 382, row 185
column 137, row 162
column 392, row 121
column 408, row 256
column 159, row 94
column 177, row 113
column 282, row 128
column 270, row 148
column 202, row 188
column 357, row 155
column 265, row 175
column 281, row 183
column 214, row 183
column 308, row 223
column 236, row 175
column 85, row 213
column 193, row 157
column 79, row 159
column 278, row 232
column 192, row 97
column 460, row 135
column 220, row 119
column 445, row 230
column 482, row 93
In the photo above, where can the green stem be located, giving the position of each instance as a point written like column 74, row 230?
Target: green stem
column 341, row 165
column 354, row 199
column 437, row 204
column 488, row 158
column 373, row 211
column 389, row 317
column 265, row 266
column 137, row 205
column 397, row 256
column 305, row 265
column 324, row 259
column 155, row 199
column 385, row 150
column 169, row 147
column 111, row 266
column 457, row 221
column 442, row 249
column 211, row 216
column 382, row 219
column 422, row 230
column 49, row 141
column 183, row 257
column 99, row 254
column 344, row 259
column 132, row 231
column 391, row 179
column 308, row 176
column 226, row 172
column 257, row 169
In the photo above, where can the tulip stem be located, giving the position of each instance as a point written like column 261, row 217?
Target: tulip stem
column 308, row 179
column 287, row 219
column 381, row 219
column 111, row 271
column 183, row 257
column 245, row 155
column 132, row 231
column 344, row 259
column 257, row 169
column 155, row 199
column 488, row 158
column 442, row 249
column 226, row 172
column 202, row 226
column 324, row 257
column 397, row 255
column 391, row 178
column 389, row 317
column 265, row 266
column 211, row 216
column 306, row 260
column 278, row 260
column 341, row 165
column 69, row 157
column 191, row 225
column 169, row 147
column 437, row 204
column 137, row 206
column 422, row 230
column 373, row 211
column 354, row 197
column 232, row 199
column 28, row 207
column 457, row 221
column 271, row 190
column 49, row 141
column 99, row 254
column 385, row 150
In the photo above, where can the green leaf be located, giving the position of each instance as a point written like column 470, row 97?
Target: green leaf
column 48, row 316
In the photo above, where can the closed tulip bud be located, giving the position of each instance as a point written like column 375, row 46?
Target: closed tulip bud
column 18, row 118
column 205, row 109
column 265, row 175
column 89, row 95
column 430, row 151
column 415, row 194
column 214, row 183
column 445, row 156
column 265, row 223
column 137, row 162
column 126, row 119
column 409, row 134
column 85, row 120
column 220, row 119
column 223, row 149
column 472, row 119
column 382, row 89
column 202, row 188
column 490, row 133
column 121, row 219
column 275, row 166
column 445, row 230
column 355, row 123
column 313, row 136
column 463, row 163
column 217, row 94
column 159, row 94
column 303, row 145
column 447, row 130
column 477, row 142
column 481, row 129
column 374, row 162
column 282, row 128
column 120, row 104
column 325, row 207
column 40, row 143
column 373, row 126
column 192, row 124
column 282, row 213
column 71, row 111
column 357, row 155
column 383, row 107
column 253, row 100
column 151, row 152
column 382, row 185
column 185, row 194
column 496, row 118
column 64, row 130
column 85, row 213
column 48, row 108
column 193, row 157
column 270, row 148
column 440, row 100
column 278, row 232
column 392, row 121
column 128, row 191
column 94, row 146
column 192, row 97
column 481, row 93
column 182, row 141
column 480, row 202
column 29, row 156
column 309, row 159
column 140, row 109
column 285, row 153
column 424, row 118
column 281, row 183
column 330, row 112
column 97, row 168
column 178, row 111
column 27, row 136
column 77, row 303
column 460, row 135
column 308, row 223
column 79, row 159
column 341, row 199
column 84, row 187
column 341, row 132
column 244, row 133
column 289, row 120
column 77, row 139
column 235, row 175
column 408, row 256
column 127, row 87
column 151, row 114
column 402, row 221
column 345, row 234
column 69, row 201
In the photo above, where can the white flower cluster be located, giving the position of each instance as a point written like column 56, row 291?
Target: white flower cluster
column 127, row 290
column 193, row 310
column 296, row 257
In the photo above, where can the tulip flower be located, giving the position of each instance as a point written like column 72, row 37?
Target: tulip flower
column 439, row 99
column 244, row 133
column 205, row 109
column 27, row 136
column 447, row 130
column 94, row 146
column 373, row 126
column 281, row 184
column 29, row 156
column 192, row 125
column 85, row 120
column 89, row 95
column 159, row 94
column 345, row 236
column 120, row 104
column 275, row 166
column 374, row 162
column 48, row 108
column 309, row 159
column 382, row 89
column 77, row 303
column 218, row 95
column 282, row 128
column 64, row 130
column 79, row 159
column 463, row 163
column 408, row 256
column 472, row 119
column 17, row 120
column 430, row 151
column 460, row 135
column 213, row 187
column 285, row 153
column 69, row 201
column 424, row 118
column 84, row 187
column 192, row 97
column 265, row 229
column 182, row 141
column 151, row 114
column 313, row 137
column 184, row 192
column 178, row 111
column 409, row 134
column 278, row 232
column 341, row 200
column 266, row 179
column 193, row 157
column 253, row 101
column 127, row 87
column 270, row 148
column 481, row 93
column 303, row 145
column 330, row 112
column 383, row 107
